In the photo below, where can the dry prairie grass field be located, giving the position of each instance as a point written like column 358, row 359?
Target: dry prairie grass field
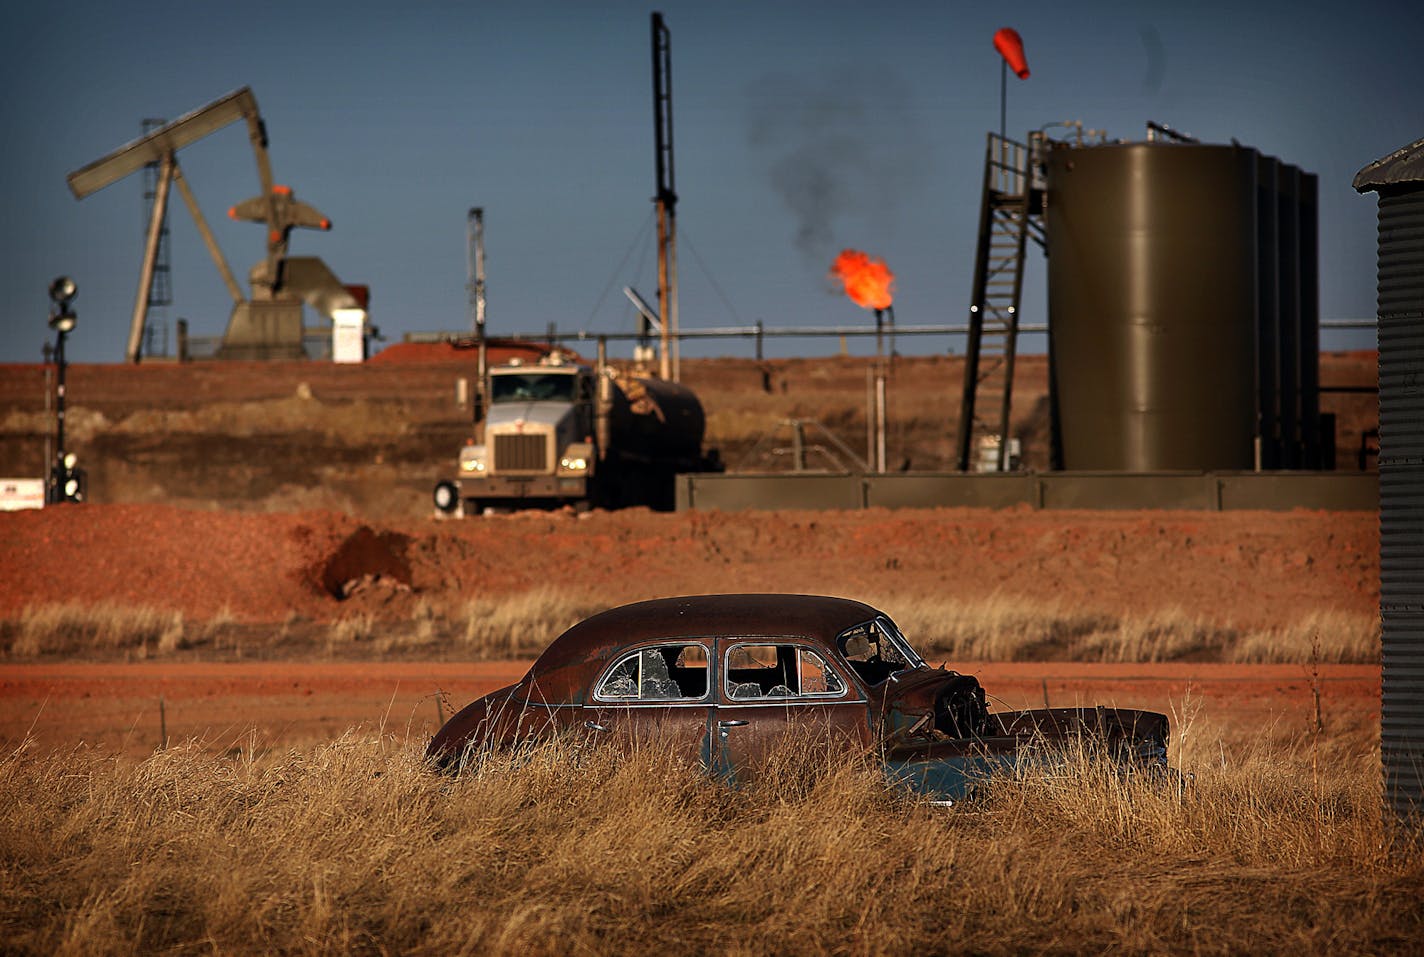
column 354, row 846
column 302, row 590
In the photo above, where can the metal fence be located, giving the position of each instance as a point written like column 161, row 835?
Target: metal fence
column 1204, row 491
column 757, row 333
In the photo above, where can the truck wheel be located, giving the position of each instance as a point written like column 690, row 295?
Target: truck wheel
column 447, row 497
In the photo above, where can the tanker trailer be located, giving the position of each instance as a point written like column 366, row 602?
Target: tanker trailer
column 560, row 433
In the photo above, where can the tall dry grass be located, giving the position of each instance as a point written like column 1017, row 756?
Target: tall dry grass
column 516, row 625
column 1327, row 635
column 416, row 632
column 350, row 421
column 355, row 847
column 1002, row 627
column 998, row 627
column 75, row 628
column 522, row 624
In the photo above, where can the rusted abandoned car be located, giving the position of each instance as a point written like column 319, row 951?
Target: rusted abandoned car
column 725, row 677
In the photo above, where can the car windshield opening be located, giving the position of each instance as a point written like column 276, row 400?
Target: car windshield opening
column 877, row 650
column 531, row 387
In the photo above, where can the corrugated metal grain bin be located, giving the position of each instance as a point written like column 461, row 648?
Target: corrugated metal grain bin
column 1399, row 181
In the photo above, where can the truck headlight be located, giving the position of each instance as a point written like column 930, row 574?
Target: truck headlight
column 472, row 459
column 576, row 459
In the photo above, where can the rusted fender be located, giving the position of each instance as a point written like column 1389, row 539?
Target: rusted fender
column 949, row 769
column 479, row 721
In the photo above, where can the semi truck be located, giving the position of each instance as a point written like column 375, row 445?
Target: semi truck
column 558, row 432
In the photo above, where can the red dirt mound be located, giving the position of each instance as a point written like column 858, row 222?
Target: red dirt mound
column 366, row 557
column 463, row 350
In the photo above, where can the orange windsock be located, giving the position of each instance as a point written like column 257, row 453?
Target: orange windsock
column 1010, row 46
column 868, row 281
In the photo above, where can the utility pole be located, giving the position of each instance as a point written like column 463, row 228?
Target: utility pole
column 666, row 199
column 475, row 252
column 65, row 483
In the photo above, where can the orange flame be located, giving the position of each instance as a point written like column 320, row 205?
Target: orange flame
column 868, row 281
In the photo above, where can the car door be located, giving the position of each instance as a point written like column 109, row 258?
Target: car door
column 655, row 693
column 771, row 693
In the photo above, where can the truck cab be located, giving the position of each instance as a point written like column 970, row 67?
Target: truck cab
column 556, row 432
column 537, row 441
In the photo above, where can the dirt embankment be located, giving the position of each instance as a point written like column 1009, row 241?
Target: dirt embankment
column 1249, row 569
column 266, row 571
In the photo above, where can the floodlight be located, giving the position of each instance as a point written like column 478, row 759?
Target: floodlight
column 62, row 290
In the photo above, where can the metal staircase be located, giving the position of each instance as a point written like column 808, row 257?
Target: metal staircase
column 1011, row 213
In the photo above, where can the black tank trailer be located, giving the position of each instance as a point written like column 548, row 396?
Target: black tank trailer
column 557, row 432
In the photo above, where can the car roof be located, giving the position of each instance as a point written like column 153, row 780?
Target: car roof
column 699, row 616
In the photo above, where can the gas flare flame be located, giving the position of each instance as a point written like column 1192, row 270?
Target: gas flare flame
column 868, row 281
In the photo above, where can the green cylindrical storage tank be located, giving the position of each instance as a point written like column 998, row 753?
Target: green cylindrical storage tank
column 1152, row 305
column 1268, row 310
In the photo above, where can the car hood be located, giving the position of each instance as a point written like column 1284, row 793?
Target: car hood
column 504, row 417
column 918, row 687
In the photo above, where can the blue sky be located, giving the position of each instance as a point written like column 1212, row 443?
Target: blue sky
column 801, row 128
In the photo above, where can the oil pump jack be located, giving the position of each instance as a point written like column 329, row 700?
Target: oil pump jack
column 268, row 323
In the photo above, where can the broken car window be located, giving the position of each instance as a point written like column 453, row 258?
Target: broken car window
column 664, row 673
column 779, row 671
column 877, row 650
column 817, row 678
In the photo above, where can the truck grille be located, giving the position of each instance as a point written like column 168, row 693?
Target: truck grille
column 522, row 453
